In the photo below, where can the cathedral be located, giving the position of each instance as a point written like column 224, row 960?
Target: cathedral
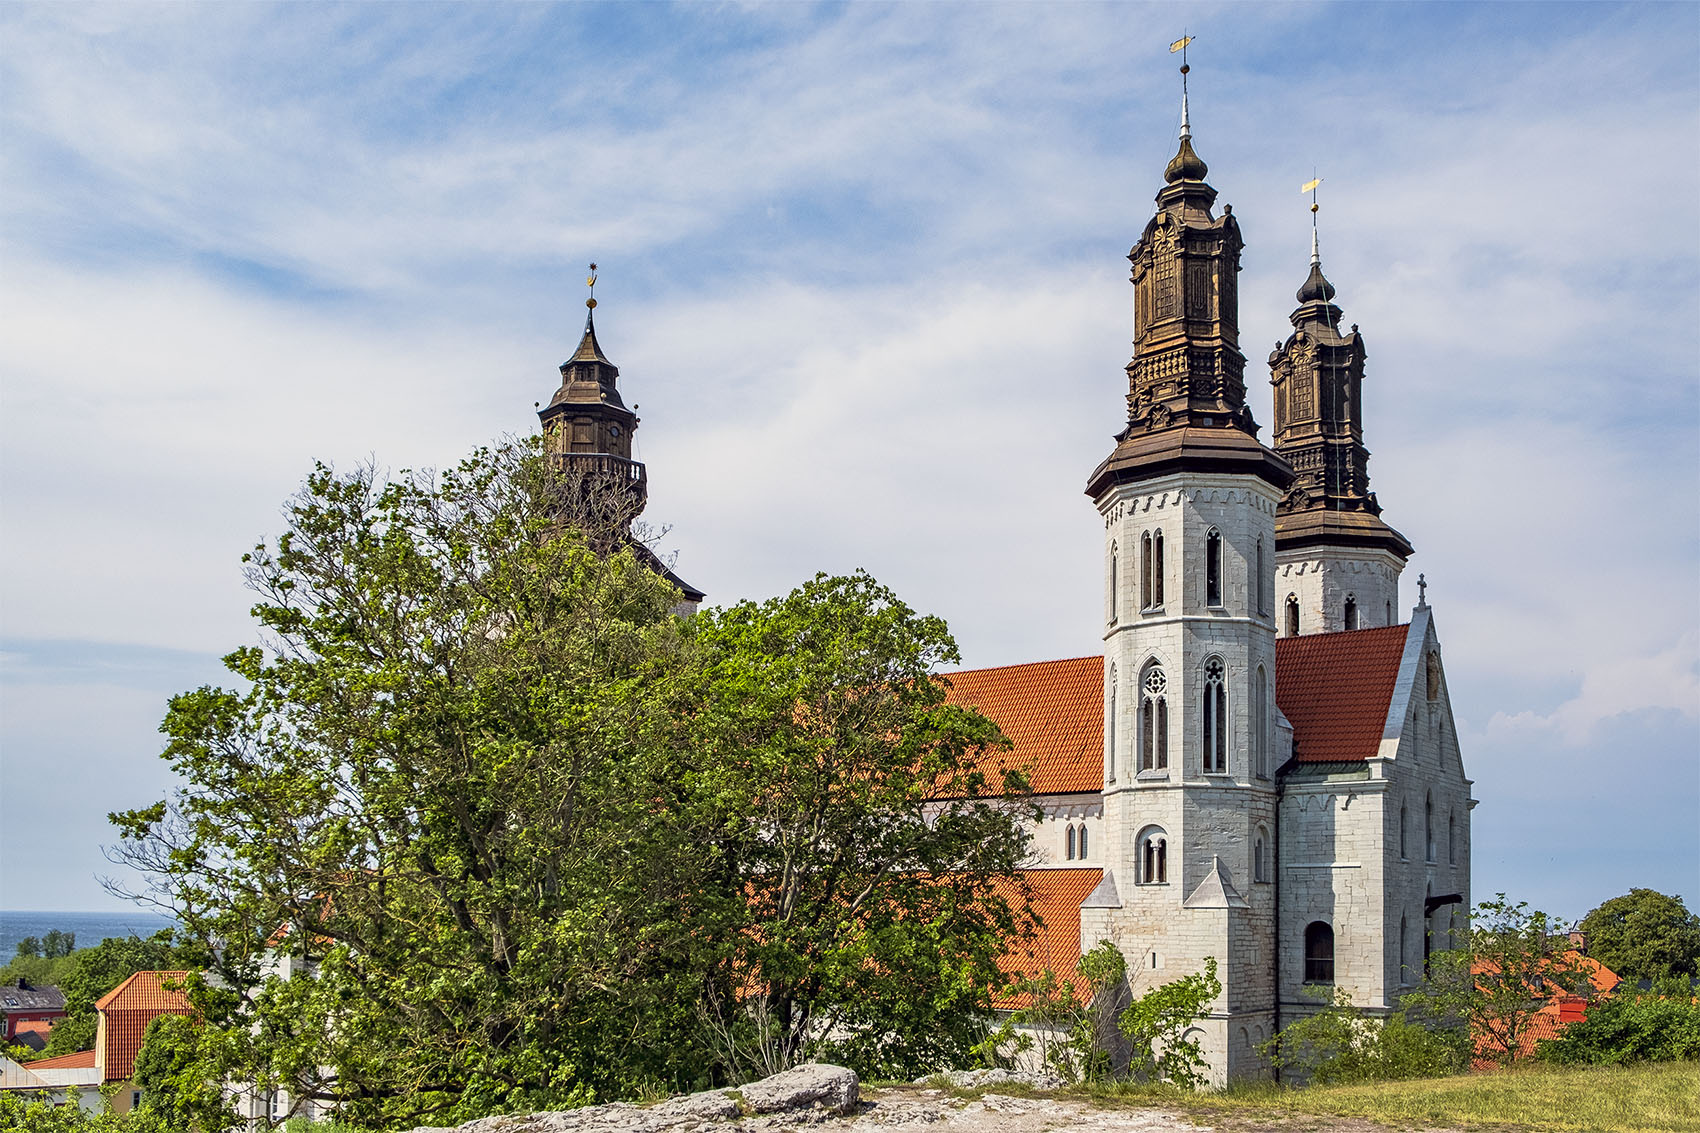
column 1262, row 766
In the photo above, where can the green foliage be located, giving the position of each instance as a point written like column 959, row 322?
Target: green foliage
column 57, row 944
column 1662, row 1025
column 1512, row 963
column 844, row 812
column 37, row 970
column 92, row 972
column 30, row 947
column 1157, row 1022
column 1340, row 1044
column 536, row 841
column 179, row 1080
column 20, row 1114
column 1644, row 935
column 1081, row 1009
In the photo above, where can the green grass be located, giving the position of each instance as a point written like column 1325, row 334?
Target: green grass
column 1661, row 1096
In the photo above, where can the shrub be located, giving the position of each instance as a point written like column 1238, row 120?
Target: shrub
column 1342, row 1044
column 1633, row 1027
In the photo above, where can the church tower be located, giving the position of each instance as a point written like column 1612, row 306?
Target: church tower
column 1189, row 499
column 1338, row 563
column 587, row 437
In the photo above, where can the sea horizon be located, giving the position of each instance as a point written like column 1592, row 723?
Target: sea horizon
column 90, row 926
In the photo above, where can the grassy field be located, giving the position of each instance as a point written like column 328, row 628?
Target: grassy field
column 1663, row 1096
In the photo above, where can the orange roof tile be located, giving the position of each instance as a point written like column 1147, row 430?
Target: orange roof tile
column 1053, row 711
column 1055, row 897
column 81, row 1060
column 1335, row 688
column 129, row 1008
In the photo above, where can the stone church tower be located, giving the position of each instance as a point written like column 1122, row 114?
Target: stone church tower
column 1189, row 500
column 1338, row 563
column 587, row 436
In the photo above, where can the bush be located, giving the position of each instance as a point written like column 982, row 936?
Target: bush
column 1341, row 1044
column 1633, row 1027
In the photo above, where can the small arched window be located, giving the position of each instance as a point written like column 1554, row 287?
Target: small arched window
column 1110, row 728
column 1080, row 843
column 1351, row 612
column 1428, row 828
column 1115, row 582
column 1213, row 568
column 1153, row 720
column 1154, row 857
column 1215, row 721
column 1145, row 602
column 1292, row 615
column 1260, row 722
column 1068, row 845
column 1319, row 953
column 1157, row 569
column 1259, row 856
column 1263, row 583
column 1433, row 675
column 1403, row 855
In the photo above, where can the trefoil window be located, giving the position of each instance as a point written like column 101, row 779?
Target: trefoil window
column 1153, row 720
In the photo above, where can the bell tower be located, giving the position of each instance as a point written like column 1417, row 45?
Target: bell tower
column 1188, row 499
column 1338, row 561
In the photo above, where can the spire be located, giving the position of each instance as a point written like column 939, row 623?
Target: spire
column 1186, row 165
column 1316, row 291
column 588, row 348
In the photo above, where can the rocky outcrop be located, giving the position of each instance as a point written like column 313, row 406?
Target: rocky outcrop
column 975, row 1079
column 805, row 1094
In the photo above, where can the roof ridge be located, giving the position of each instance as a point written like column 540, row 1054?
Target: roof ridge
column 1025, row 664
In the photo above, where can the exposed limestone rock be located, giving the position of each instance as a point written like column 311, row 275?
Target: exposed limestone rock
column 814, row 1084
column 974, row 1079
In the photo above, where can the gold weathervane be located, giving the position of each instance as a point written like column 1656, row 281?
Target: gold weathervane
column 590, row 282
column 1180, row 45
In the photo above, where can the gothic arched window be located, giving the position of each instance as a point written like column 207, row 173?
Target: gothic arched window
column 1351, row 612
column 1157, row 569
column 1153, row 857
column 1080, row 843
column 1145, row 602
column 1215, row 748
column 1260, row 723
column 1292, row 615
column 1319, row 953
column 1259, row 856
column 1110, row 729
column 1213, row 568
column 1428, row 827
column 1068, row 845
column 1389, row 620
column 1262, row 582
column 1153, row 720
column 1115, row 582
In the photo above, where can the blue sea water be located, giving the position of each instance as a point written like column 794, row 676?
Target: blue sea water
column 90, row 928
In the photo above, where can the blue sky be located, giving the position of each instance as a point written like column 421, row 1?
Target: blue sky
column 862, row 267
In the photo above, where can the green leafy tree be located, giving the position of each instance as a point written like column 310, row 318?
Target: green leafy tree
column 1513, row 963
column 1644, row 935
column 1157, row 1024
column 1081, row 1010
column 95, row 971
column 860, row 829
column 30, row 947
column 58, row 943
column 179, row 1078
column 20, row 1113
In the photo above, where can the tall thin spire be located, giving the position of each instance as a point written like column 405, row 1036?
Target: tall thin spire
column 1186, row 165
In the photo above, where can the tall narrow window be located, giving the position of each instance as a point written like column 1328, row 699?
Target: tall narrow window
column 1389, row 620
column 1213, row 568
column 1292, row 615
column 1157, row 569
column 1262, row 582
column 1115, row 582
column 1259, row 871
column 1428, row 828
column 1319, row 953
column 1404, row 972
column 1145, row 602
column 1080, row 842
column 1402, row 853
column 1260, row 722
column 1068, row 851
column 1451, row 839
column 1153, row 720
column 1215, row 746
column 1351, row 612
column 1110, row 729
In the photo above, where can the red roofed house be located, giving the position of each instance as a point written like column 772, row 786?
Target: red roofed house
column 125, row 1013
column 1262, row 767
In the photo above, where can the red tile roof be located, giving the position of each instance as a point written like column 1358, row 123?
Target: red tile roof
column 1335, row 688
column 1054, row 713
column 129, row 1008
column 81, row 1060
column 1055, row 896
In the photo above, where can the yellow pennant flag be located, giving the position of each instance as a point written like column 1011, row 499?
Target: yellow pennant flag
column 1179, row 43
column 1309, row 185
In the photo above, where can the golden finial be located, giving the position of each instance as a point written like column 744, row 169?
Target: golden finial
column 1180, row 45
column 1310, row 187
column 590, row 282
